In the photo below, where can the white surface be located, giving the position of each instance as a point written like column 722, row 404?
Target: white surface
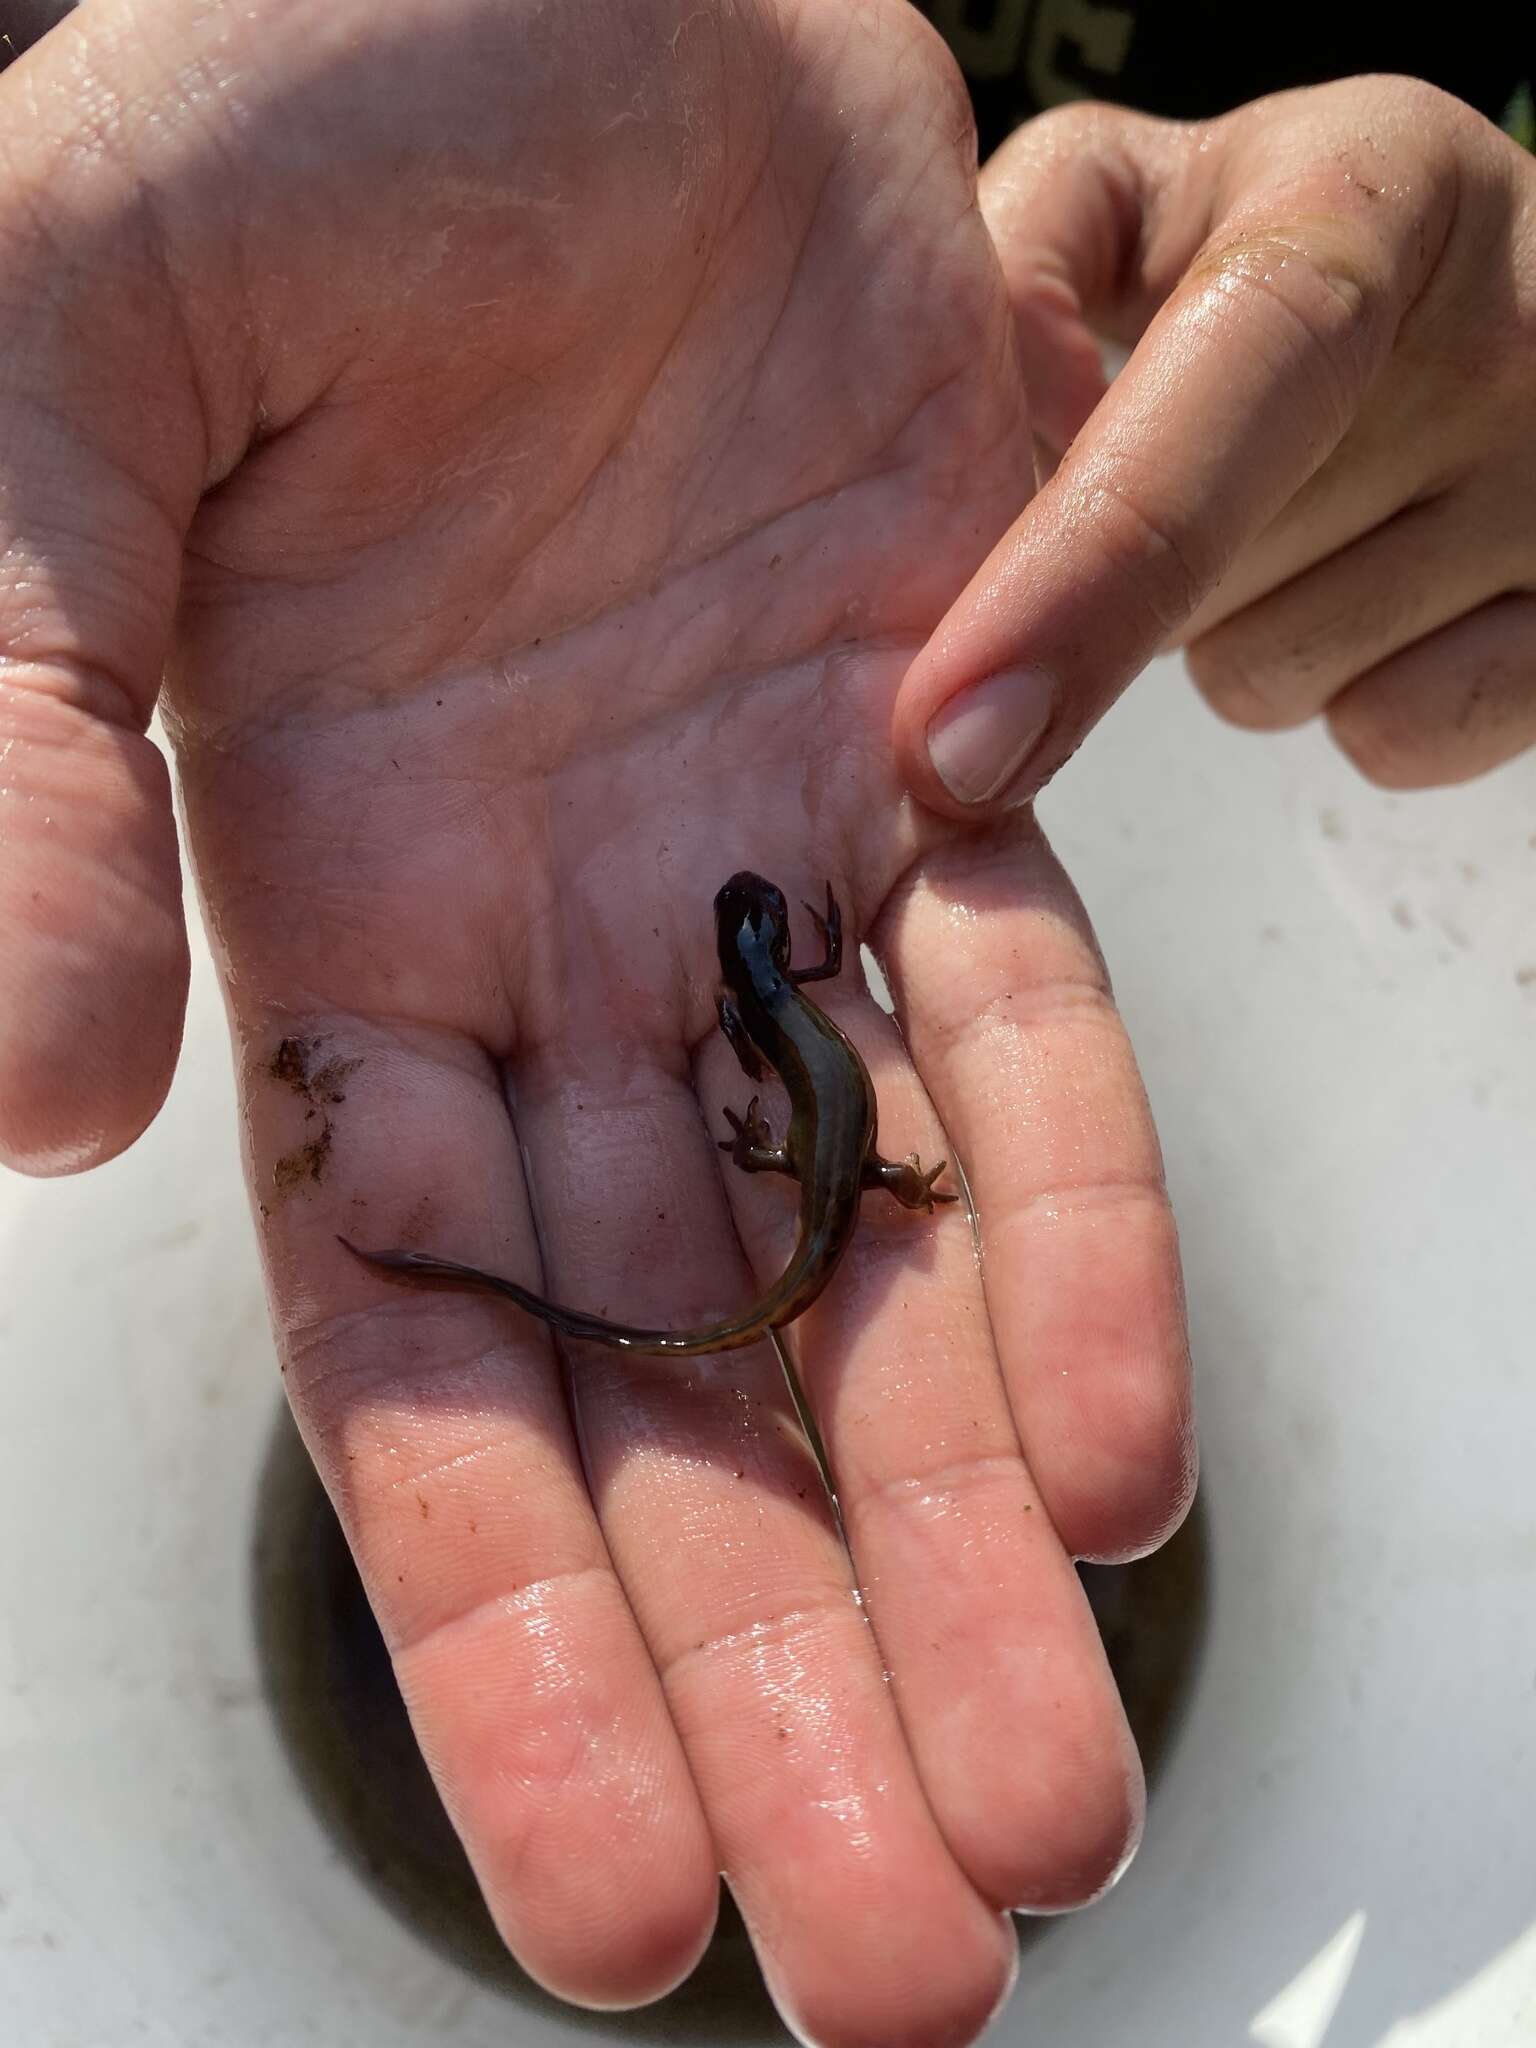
column 1325, row 988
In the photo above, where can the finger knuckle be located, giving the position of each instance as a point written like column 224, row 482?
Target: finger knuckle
column 1420, row 109
column 1084, row 129
column 1318, row 315
column 1384, row 748
column 1161, row 566
column 1227, row 684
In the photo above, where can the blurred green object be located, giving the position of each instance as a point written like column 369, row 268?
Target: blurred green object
column 1520, row 117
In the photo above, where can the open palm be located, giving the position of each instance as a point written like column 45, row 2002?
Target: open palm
column 551, row 446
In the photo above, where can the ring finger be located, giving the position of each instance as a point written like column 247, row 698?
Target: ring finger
column 1282, row 658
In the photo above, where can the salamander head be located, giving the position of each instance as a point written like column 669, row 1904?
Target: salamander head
column 752, row 916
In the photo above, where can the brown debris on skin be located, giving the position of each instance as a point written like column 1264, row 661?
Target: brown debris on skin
column 290, row 1063
column 306, row 1163
column 325, row 1082
column 297, row 1064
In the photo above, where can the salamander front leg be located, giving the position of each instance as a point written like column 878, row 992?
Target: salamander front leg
column 752, row 1148
column 907, row 1181
column 830, row 931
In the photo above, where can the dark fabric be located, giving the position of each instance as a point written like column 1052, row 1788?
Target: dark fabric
column 1195, row 58
column 23, row 21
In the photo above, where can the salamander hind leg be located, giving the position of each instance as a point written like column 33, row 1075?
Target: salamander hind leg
column 739, row 1039
column 907, row 1181
column 752, row 1147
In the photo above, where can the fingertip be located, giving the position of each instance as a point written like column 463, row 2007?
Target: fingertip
column 982, row 741
column 642, row 1955
column 977, row 750
column 1150, row 1508
column 1229, row 689
column 1048, row 1826
column 941, row 1987
column 88, row 1047
column 94, row 962
column 1105, row 1860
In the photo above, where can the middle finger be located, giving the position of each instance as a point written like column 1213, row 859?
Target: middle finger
column 996, row 1664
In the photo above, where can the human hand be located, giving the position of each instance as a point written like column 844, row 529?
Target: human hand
column 1314, row 470
column 536, row 455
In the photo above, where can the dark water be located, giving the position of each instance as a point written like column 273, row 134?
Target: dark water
column 334, row 1698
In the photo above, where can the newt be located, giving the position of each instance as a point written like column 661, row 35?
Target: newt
column 829, row 1147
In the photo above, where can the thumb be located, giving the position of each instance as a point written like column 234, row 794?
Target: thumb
column 102, row 459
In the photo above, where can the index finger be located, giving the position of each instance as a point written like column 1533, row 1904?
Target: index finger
column 442, row 1433
column 1243, row 383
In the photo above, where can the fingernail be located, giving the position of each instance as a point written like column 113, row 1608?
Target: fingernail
column 982, row 738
